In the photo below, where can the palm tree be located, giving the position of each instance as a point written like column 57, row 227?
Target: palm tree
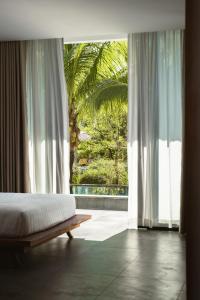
column 96, row 75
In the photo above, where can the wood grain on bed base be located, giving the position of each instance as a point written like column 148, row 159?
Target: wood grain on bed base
column 46, row 235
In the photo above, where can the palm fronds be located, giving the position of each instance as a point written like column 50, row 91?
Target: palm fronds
column 92, row 67
column 106, row 92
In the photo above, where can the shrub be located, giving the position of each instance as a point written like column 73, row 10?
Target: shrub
column 101, row 171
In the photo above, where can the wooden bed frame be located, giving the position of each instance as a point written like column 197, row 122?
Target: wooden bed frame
column 41, row 237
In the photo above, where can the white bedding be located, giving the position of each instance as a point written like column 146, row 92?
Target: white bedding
column 24, row 214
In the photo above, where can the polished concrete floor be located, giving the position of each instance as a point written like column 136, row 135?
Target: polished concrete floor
column 141, row 265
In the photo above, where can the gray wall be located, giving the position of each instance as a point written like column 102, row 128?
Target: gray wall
column 119, row 203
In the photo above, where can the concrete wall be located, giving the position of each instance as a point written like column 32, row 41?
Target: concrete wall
column 119, row 203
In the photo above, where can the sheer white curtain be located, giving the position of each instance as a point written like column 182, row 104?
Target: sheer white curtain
column 155, row 127
column 47, row 116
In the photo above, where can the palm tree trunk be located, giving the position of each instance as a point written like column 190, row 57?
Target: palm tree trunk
column 71, row 168
column 74, row 136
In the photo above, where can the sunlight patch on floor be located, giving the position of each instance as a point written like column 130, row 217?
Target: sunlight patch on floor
column 103, row 225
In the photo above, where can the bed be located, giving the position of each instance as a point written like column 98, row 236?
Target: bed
column 28, row 220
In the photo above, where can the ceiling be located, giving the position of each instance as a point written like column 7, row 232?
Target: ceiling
column 83, row 20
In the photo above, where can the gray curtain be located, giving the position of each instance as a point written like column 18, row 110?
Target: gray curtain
column 155, row 127
column 14, row 175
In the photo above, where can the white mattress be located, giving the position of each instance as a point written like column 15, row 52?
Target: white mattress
column 24, row 214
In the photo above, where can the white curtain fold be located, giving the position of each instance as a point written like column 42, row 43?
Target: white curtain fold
column 47, row 116
column 155, row 127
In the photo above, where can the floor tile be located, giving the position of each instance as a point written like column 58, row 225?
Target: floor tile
column 128, row 265
column 152, row 270
column 134, row 288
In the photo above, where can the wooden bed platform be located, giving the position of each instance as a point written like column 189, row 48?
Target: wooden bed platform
column 44, row 236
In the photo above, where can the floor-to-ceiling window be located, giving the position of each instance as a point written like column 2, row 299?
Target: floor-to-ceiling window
column 96, row 76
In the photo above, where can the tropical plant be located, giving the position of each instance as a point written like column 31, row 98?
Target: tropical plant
column 108, row 140
column 103, row 171
column 96, row 76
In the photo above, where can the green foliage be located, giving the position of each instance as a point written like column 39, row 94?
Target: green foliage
column 102, row 171
column 108, row 91
column 96, row 73
column 108, row 134
column 97, row 85
column 106, row 150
